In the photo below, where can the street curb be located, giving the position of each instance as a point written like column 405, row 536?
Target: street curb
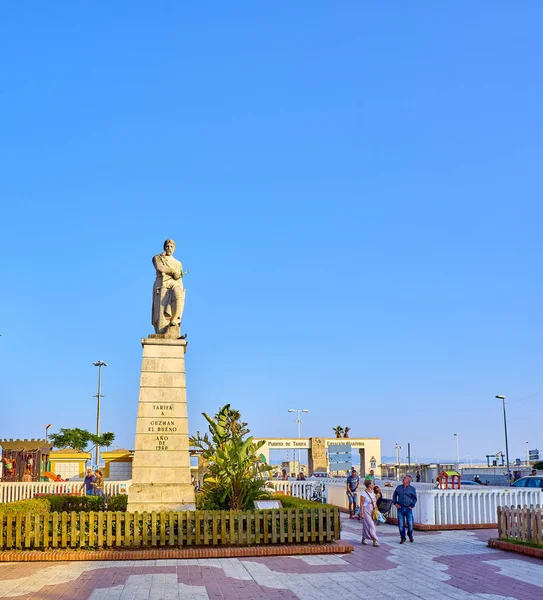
column 509, row 547
column 456, row 527
column 163, row 553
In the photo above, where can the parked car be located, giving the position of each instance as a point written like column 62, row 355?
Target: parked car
column 470, row 483
column 531, row 481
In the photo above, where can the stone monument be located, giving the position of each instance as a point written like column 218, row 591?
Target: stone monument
column 161, row 467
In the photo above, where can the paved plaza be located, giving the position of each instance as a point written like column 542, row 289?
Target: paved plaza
column 452, row 564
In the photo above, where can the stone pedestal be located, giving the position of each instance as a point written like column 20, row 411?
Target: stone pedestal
column 317, row 457
column 161, row 467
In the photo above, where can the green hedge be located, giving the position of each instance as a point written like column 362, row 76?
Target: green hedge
column 118, row 502
column 292, row 502
column 75, row 503
column 35, row 506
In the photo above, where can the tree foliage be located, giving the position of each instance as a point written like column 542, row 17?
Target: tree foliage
column 225, row 425
column 236, row 473
column 338, row 431
column 538, row 465
column 79, row 439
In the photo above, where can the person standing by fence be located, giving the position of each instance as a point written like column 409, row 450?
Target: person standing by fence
column 98, row 483
column 353, row 483
column 88, row 483
column 405, row 498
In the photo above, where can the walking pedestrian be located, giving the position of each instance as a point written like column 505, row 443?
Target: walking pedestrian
column 353, row 483
column 88, row 483
column 368, row 510
column 404, row 499
column 98, row 483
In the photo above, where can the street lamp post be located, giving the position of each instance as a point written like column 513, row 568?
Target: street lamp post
column 502, row 398
column 99, row 364
column 527, row 455
column 299, row 421
column 398, row 448
column 457, row 453
column 46, row 431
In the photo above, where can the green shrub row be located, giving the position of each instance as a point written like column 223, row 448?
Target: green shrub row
column 118, row 502
column 38, row 506
column 76, row 503
column 300, row 503
column 45, row 504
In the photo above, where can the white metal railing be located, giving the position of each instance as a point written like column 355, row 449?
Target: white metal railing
column 298, row 489
column 479, row 506
column 13, row 491
column 452, row 507
column 336, row 486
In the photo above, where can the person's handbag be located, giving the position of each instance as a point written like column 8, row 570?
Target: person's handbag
column 375, row 512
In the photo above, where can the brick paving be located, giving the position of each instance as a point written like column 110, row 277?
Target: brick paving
column 454, row 565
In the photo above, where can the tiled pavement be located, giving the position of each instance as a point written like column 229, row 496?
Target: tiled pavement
column 438, row 565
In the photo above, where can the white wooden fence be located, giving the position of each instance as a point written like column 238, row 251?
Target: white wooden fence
column 12, row 491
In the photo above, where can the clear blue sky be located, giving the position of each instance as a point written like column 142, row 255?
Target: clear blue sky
column 356, row 190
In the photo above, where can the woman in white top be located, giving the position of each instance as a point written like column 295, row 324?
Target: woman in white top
column 367, row 506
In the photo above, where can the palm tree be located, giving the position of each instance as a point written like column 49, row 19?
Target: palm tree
column 338, row 431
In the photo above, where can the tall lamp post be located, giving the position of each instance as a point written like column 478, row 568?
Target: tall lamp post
column 51, row 425
column 457, row 453
column 502, row 398
column 398, row 448
column 99, row 364
column 299, row 421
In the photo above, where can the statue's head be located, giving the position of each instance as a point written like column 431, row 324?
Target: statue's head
column 169, row 247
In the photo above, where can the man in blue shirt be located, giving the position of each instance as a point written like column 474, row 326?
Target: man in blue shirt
column 87, row 483
column 404, row 499
column 353, row 482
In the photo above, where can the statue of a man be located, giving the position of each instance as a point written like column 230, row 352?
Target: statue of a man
column 168, row 292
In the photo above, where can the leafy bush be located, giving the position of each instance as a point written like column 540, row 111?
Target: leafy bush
column 538, row 465
column 235, row 475
column 75, row 503
column 37, row 506
column 292, row 502
column 118, row 502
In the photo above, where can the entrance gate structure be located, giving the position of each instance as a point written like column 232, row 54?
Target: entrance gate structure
column 369, row 450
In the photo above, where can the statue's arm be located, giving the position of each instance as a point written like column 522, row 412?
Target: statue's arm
column 160, row 266
column 178, row 272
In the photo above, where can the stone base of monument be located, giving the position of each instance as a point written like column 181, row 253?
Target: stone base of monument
column 161, row 467
column 160, row 497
